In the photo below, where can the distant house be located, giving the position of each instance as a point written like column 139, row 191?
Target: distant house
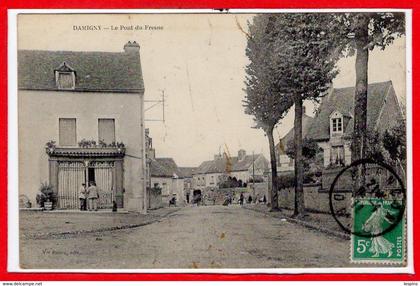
column 332, row 127
column 209, row 173
column 74, row 108
column 248, row 167
column 165, row 174
column 243, row 167
column 284, row 162
column 187, row 174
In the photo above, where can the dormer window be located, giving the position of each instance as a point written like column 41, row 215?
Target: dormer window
column 336, row 123
column 65, row 77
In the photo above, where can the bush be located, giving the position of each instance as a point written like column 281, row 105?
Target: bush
column 46, row 194
column 288, row 180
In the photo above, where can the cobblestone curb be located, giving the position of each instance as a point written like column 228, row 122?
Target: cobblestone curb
column 68, row 234
column 306, row 224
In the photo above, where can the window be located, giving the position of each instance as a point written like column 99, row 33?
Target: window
column 65, row 80
column 65, row 77
column 337, row 156
column 106, row 130
column 67, row 131
column 337, row 125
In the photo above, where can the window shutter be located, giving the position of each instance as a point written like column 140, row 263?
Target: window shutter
column 106, row 130
column 67, row 131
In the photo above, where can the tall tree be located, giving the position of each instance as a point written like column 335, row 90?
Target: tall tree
column 306, row 50
column 362, row 32
column 263, row 100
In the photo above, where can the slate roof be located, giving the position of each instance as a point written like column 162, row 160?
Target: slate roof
column 245, row 163
column 95, row 71
column 221, row 165
column 342, row 100
column 306, row 124
column 164, row 167
column 186, row 172
column 213, row 166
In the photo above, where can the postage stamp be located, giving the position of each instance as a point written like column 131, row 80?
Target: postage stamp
column 141, row 141
column 373, row 217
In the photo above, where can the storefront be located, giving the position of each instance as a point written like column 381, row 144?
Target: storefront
column 69, row 168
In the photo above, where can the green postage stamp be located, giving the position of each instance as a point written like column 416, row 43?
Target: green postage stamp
column 378, row 234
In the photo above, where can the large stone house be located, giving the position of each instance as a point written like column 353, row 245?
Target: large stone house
column 80, row 120
column 332, row 126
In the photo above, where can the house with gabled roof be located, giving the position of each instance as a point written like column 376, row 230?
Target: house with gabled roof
column 166, row 175
column 80, row 119
column 332, row 127
column 242, row 167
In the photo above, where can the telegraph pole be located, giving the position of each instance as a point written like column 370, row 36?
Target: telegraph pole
column 253, row 175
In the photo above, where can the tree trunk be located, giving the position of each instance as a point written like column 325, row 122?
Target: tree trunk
column 274, row 203
column 360, row 97
column 299, row 196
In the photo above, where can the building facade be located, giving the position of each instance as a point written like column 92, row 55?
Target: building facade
column 332, row 128
column 81, row 120
column 244, row 168
column 166, row 175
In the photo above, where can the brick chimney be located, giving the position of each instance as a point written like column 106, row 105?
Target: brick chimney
column 132, row 47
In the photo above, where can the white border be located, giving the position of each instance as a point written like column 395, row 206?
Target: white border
column 13, row 207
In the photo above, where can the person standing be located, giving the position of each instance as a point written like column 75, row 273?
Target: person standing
column 241, row 199
column 82, row 197
column 93, row 196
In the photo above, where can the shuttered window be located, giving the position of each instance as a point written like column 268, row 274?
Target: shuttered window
column 65, row 80
column 67, row 131
column 106, row 130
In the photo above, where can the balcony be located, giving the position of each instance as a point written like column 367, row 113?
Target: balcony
column 91, row 151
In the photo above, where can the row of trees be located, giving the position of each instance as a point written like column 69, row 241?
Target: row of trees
column 293, row 58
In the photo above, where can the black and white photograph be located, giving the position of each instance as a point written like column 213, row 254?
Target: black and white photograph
column 250, row 141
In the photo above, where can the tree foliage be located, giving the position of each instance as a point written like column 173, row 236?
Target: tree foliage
column 394, row 142
column 361, row 32
column 382, row 28
column 306, row 53
column 263, row 100
column 310, row 149
column 305, row 45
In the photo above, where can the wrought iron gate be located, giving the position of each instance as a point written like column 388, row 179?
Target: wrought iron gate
column 71, row 175
column 104, row 178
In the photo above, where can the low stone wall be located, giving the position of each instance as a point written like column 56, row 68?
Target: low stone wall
column 316, row 199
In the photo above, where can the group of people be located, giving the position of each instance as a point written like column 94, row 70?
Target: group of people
column 89, row 197
column 250, row 199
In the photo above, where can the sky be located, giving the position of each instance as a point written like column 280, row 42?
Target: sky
column 198, row 62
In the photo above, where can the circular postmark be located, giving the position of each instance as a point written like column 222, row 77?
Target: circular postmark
column 367, row 198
